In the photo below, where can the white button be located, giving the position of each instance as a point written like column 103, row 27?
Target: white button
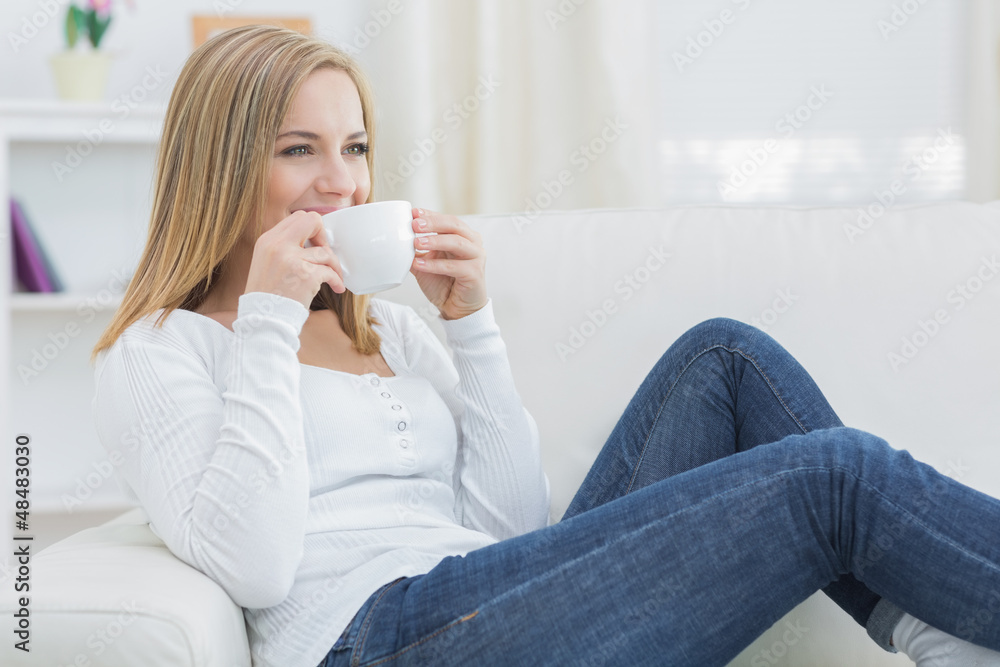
column 375, row 382
column 401, row 426
column 386, row 394
column 397, row 406
column 404, row 443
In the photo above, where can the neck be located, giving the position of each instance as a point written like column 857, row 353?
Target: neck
column 225, row 293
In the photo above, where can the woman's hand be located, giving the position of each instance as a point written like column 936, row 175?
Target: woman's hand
column 452, row 275
column 282, row 266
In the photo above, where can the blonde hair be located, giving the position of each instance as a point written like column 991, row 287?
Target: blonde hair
column 212, row 171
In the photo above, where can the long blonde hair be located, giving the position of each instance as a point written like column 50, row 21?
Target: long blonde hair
column 212, row 171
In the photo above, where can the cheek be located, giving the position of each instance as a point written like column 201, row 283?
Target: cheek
column 363, row 182
column 282, row 189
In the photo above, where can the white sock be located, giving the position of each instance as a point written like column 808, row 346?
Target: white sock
column 929, row 647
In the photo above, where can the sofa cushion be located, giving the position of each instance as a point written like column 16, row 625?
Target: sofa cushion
column 894, row 312
column 894, row 315
column 115, row 596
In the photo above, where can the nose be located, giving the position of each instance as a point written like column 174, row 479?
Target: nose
column 336, row 178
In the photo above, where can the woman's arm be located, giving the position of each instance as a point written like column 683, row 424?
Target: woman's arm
column 500, row 487
column 222, row 475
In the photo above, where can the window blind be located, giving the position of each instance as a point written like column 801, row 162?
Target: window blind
column 842, row 103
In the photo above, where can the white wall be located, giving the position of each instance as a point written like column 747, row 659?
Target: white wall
column 153, row 34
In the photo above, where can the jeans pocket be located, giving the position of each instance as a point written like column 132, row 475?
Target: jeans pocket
column 349, row 637
column 343, row 643
column 446, row 645
column 344, row 640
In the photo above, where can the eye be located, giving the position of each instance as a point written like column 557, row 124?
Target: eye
column 357, row 149
column 296, row 151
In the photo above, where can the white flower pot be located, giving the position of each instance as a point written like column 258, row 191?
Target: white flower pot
column 81, row 75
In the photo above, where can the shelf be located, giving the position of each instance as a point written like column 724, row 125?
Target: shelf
column 57, row 302
column 40, row 108
column 86, row 122
column 91, row 219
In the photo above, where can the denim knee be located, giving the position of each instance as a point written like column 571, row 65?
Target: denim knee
column 858, row 443
column 722, row 331
column 844, row 447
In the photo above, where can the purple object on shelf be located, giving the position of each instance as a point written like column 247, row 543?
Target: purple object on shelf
column 28, row 260
column 50, row 271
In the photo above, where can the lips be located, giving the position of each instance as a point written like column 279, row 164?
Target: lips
column 322, row 210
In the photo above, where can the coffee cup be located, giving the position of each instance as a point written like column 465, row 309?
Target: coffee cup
column 374, row 243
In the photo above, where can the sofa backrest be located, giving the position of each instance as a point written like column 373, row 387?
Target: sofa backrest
column 895, row 313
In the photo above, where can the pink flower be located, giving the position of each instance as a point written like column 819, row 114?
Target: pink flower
column 102, row 6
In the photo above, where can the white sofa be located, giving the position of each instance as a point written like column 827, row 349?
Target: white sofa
column 896, row 316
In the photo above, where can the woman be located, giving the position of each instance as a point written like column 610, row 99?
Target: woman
column 368, row 499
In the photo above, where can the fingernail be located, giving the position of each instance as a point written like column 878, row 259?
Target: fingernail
column 421, row 223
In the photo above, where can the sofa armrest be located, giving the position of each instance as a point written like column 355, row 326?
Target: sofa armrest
column 114, row 595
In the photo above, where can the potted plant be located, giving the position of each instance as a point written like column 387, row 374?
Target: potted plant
column 82, row 73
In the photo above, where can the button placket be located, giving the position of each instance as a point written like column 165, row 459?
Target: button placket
column 400, row 421
column 403, row 429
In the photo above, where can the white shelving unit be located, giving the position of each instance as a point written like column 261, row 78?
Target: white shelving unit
column 83, row 173
column 47, row 303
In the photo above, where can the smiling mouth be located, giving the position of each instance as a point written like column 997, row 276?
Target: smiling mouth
column 322, row 210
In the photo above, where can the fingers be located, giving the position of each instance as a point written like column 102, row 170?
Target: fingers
column 455, row 246
column 324, row 257
column 317, row 232
column 294, row 257
column 425, row 221
column 446, row 245
column 317, row 248
column 303, row 228
column 446, row 234
column 453, row 268
column 333, row 279
column 453, row 263
column 450, row 264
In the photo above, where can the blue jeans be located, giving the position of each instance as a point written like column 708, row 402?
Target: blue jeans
column 727, row 494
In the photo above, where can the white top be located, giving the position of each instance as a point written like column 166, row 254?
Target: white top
column 398, row 473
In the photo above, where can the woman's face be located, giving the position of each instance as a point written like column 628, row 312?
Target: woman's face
column 320, row 162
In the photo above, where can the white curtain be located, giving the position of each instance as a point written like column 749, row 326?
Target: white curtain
column 490, row 106
column 496, row 106
column 983, row 159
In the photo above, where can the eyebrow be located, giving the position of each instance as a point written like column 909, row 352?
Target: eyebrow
column 315, row 137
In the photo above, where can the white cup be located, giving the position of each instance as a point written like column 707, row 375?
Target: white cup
column 374, row 243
